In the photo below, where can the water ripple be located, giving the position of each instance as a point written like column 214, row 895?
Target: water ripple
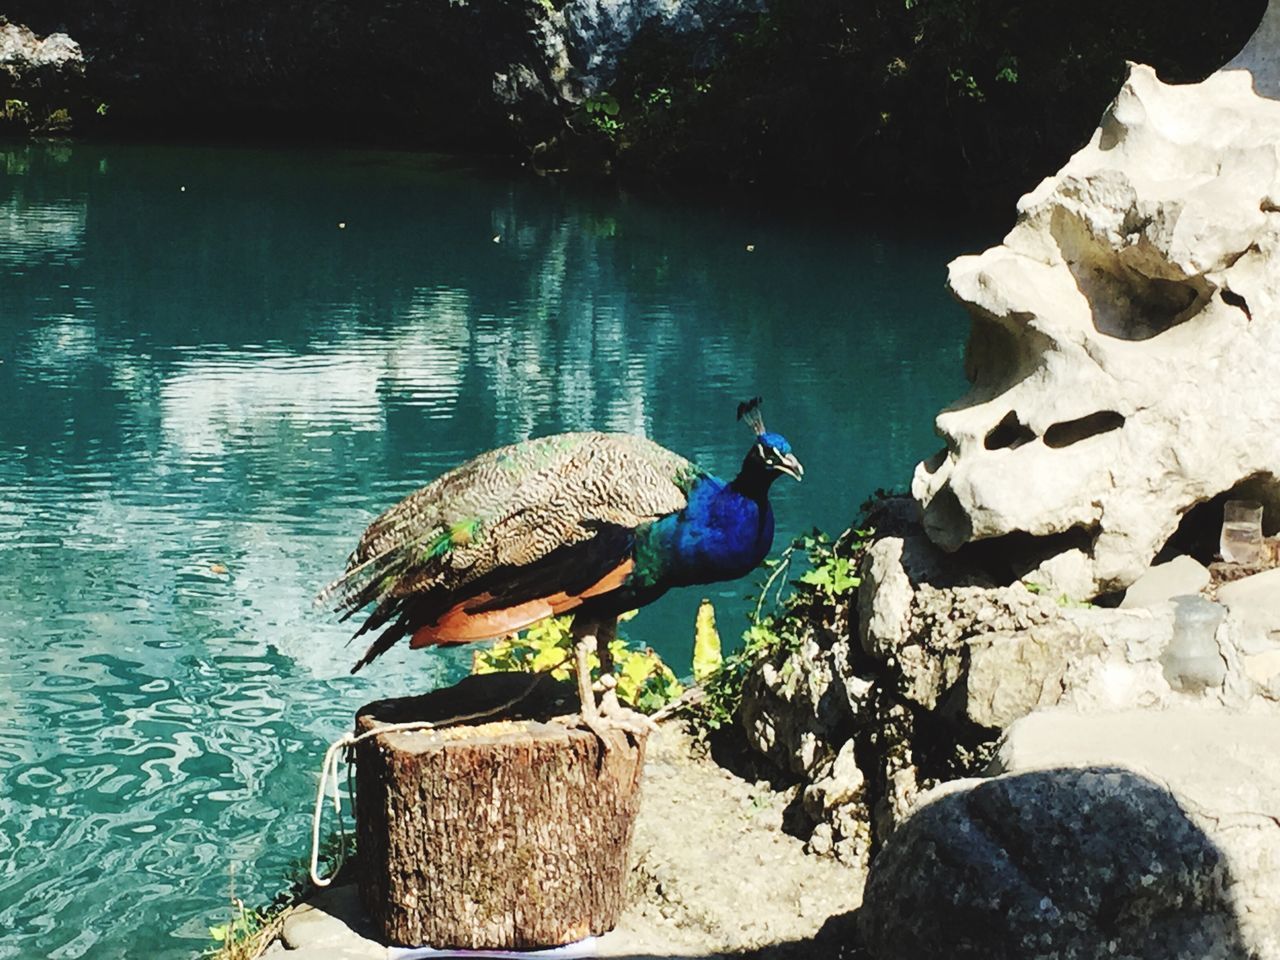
column 209, row 393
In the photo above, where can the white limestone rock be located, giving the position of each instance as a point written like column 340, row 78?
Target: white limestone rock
column 1255, row 602
column 790, row 713
column 1164, row 581
column 1125, row 341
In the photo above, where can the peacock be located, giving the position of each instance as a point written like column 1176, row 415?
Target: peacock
column 593, row 523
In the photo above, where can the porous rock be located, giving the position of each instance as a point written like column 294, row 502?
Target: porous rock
column 934, row 667
column 791, row 709
column 21, row 50
column 1124, row 342
column 599, row 31
column 1068, row 862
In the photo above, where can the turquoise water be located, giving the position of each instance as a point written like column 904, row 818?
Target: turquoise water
column 209, row 387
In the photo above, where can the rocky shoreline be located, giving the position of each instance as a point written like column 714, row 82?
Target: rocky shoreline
column 1051, row 726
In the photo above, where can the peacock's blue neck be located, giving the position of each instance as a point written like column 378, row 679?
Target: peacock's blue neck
column 722, row 534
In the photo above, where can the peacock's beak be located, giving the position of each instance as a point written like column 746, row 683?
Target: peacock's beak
column 789, row 465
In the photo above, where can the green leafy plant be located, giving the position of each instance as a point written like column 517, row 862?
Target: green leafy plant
column 644, row 681
column 1063, row 600
column 242, row 926
column 248, row 932
column 779, row 626
column 1007, row 69
column 58, row 121
column 16, row 111
column 245, row 934
column 661, row 97
column 601, row 111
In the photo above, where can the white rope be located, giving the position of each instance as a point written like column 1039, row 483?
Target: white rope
column 329, row 773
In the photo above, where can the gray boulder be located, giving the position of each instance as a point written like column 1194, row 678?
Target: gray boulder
column 1222, row 768
column 21, row 51
column 1069, row 863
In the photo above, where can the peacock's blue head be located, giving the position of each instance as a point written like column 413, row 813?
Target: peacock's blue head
column 774, row 454
column 771, row 454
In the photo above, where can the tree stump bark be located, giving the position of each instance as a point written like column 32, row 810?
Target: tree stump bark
column 507, row 834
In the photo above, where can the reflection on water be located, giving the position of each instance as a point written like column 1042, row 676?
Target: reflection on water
column 211, row 387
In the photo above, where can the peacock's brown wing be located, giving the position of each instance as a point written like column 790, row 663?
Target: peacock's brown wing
column 510, row 521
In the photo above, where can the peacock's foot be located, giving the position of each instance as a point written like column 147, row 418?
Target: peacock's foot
column 613, row 727
column 632, row 721
column 610, row 721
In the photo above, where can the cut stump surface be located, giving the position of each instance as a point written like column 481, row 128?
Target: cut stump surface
column 507, row 834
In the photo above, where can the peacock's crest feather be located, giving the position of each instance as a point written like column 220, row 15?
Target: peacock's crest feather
column 750, row 414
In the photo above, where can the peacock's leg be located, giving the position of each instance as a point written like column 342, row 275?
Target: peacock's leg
column 582, row 646
column 610, row 715
column 610, row 709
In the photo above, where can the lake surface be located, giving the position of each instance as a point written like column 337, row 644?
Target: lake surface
column 209, row 387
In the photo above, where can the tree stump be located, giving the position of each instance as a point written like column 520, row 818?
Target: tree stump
column 507, row 834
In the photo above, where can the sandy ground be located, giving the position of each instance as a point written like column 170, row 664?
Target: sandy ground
column 713, row 874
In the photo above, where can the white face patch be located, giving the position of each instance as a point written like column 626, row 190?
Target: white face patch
column 764, row 455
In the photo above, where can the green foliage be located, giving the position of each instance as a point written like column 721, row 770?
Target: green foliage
column 834, row 576
column 1063, row 600
column 35, row 119
column 1007, row 69
column 240, row 927
column 601, row 112
column 58, row 121
column 249, row 932
column 644, row 681
column 778, row 627
column 903, row 94
column 244, row 936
